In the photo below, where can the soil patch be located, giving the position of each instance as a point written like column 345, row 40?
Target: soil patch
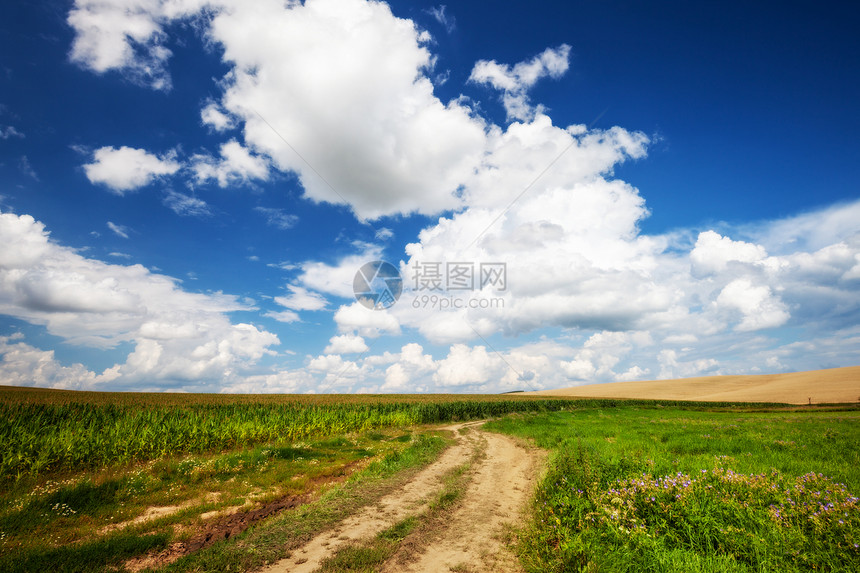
column 224, row 528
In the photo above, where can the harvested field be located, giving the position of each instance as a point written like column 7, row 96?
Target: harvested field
column 836, row 385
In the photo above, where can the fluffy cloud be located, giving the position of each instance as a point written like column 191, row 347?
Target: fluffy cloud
column 283, row 382
column 176, row 335
column 125, row 35
column 514, row 82
column 213, row 116
column 570, row 243
column 409, row 370
column 390, row 147
column 24, row 365
column 346, row 344
column 125, row 169
column 336, row 279
column 758, row 305
column 478, row 368
column 600, row 356
column 366, row 322
column 236, row 165
column 301, row 298
column 467, row 366
column 338, row 91
column 714, row 252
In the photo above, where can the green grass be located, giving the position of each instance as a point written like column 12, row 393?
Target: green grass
column 657, row 489
column 50, row 519
column 274, row 539
column 368, row 557
column 74, row 463
column 101, row 555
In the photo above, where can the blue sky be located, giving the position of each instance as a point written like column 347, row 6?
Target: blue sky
column 187, row 189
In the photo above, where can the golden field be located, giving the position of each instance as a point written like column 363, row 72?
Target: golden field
column 836, row 385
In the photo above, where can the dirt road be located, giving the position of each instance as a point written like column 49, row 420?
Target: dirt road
column 501, row 480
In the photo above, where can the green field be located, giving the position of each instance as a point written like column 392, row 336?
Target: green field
column 57, row 430
column 664, row 489
column 76, row 468
column 48, row 431
column 630, row 485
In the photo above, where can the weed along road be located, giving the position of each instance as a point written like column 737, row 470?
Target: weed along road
column 458, row 510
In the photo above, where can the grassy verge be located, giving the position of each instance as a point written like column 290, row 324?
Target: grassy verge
column 644, row 489
column 371, row 555
column 274, row 539
column 86, row 522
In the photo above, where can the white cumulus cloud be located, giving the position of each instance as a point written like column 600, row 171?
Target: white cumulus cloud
column 346, row 344
column 176, row 335
column 126, row 169
column 123, row 35
column 514, row 82
column 301, row 298
column 235, row 165
column 757, row 303
column 339, row 92
column 714, row 252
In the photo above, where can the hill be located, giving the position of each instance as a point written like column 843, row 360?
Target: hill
column 820, row 386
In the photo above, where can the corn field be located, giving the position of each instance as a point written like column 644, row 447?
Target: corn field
column 39, row 436
column 59, row 430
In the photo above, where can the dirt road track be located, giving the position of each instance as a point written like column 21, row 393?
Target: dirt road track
column 502, row 480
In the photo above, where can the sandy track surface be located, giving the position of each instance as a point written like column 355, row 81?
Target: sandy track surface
column 471, row 540
column 502, row 480
column 819, row 386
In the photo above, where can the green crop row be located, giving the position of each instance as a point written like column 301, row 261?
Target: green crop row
column 46, row 437
column 49, row 430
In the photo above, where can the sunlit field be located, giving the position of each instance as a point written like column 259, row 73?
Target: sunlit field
column 119, row 481
column 44, row 431
column 662, row 489
column 98, row 481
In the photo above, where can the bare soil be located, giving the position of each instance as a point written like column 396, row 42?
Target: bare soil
column 223, row 524
column 223, row 528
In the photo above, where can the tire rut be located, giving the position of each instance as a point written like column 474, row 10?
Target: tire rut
column 470, row 538
column 381, row 515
